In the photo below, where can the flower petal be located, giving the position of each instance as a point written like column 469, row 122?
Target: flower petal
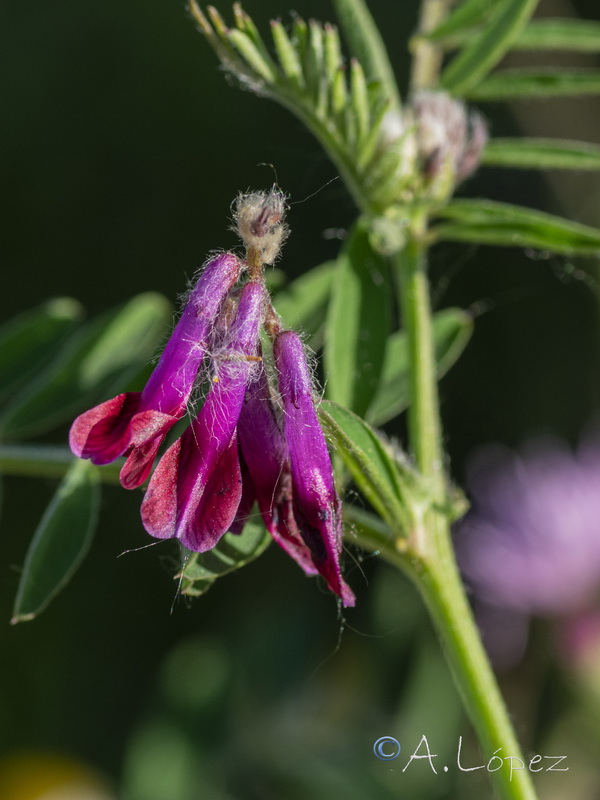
column 171, row 383
column 215, row 512
column 202, row 482
column 103, row 433
column 140, row 421
column 315, row 500
column 147, row 431
column 265, row 458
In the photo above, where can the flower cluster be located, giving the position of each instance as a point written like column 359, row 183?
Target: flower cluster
column 530, row 546
column 250, row 441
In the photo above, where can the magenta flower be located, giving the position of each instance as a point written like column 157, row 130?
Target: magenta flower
column 195, row 491
column 266, row 472
column 243, row 447
column 134, row 423
column 530, row 546
column 316, row 505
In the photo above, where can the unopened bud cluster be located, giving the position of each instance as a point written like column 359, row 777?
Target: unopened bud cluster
column 256, row 438
column 430, row 147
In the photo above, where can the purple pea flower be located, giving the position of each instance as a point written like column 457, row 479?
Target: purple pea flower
column 530, row 546
column 244, row 446
column 134, row 423
column 316, row 505
column 266, row 471
column 196, row 489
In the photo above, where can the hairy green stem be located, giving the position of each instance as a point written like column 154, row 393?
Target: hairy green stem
column 431, row 563
column 423, row 413
column 441, row 587
column 428, row 56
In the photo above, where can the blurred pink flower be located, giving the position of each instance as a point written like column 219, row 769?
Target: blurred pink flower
column 530, row 545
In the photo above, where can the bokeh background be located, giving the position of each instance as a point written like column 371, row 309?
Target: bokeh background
column 121, row 149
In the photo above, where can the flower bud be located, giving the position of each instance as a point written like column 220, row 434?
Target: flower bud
column 258, row 220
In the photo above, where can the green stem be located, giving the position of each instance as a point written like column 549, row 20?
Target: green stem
column 46, row 461
column 441, row 587
column 423, row 413
column 428, row 56
column 431, row 563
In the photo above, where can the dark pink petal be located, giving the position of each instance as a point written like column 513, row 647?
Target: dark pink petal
column 195, row 495
column 147, row 432
column 315, row 500
column 284, row 528
column 218, row 505
column 170, row 385
column 159, row 508
column 247, row 499
column 135, row 424
column 102, row 433
column 265, row 457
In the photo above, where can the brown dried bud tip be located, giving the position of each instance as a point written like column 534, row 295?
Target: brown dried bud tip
column 259, row 221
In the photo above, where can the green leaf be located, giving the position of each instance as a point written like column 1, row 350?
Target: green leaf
column 485, row 49
column 303, row 304
column 287, row 54
column 201, row 570
column 541, row 154
column 96, row 362
column 514, row 84
column 359, row 99
column 314, row 67
column 358, row 323
column 574, row 35
column 30, row 340
column 254, row 56
column 461, row 21
column 366, row 529
column 60, row 542
column 387, row 481
column 366, row 44
column 452, row 329
column 487, row 222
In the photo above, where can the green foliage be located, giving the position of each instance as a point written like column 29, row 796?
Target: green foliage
column 562, row 34
column 574, row 35
column 366, row 45
column 487, row 222
column 382, row 473
column 542, row 154
column 66, row 369
column 452, row 330
column 200, row 570
column 96, row 362
column 358, row 323
column 344, row 108
column 515, row 84
column 28, row 341
column 61, row 540
column 461, row 22
column 485, row 49
column 303, row 304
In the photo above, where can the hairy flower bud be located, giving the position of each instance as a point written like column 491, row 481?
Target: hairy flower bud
column 450, row 138
column 259, row 221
